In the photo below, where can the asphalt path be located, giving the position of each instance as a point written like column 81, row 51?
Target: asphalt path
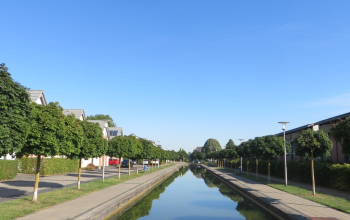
column 23, row 184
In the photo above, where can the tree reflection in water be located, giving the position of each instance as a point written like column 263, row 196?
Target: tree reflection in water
column 244, row 207
column 143, row 207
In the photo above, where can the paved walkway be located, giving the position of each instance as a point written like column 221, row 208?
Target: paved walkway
column 295, row 206
column 90, row 205
column 23, row 184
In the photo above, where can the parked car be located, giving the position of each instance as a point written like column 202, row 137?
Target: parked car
column 133, row 162
column 125, row 163
column 145, row 161
column 113, row 162
column 155, row 161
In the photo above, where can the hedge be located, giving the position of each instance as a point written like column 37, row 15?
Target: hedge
column 8, row 169
column 336, row 176
column 49, row 166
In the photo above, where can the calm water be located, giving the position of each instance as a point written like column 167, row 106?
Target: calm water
column 192, row 193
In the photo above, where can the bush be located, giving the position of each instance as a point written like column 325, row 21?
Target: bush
column 336, row 176
column 8, row 169
column 49, row 166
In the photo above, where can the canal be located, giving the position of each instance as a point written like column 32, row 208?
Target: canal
column 192, row 193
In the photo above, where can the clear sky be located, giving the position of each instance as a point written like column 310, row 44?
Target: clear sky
column 180, row 72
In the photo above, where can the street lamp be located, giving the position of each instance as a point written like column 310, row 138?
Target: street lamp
column 241, row 140
column 285, row 153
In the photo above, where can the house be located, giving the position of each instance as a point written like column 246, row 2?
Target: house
column 198, row 149
column 37, row 96
column 115, row 131
column 78, row 113
column 336, row 154
column 99, row 161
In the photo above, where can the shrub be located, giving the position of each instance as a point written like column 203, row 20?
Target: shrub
column 49, row 166
column 8, row 169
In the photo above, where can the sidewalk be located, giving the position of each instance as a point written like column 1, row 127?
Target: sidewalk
column 23, row 184
column 294, row 207
column 95, row 205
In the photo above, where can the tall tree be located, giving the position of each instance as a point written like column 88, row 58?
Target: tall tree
column 211, row 145
column 15, row 111
column 49, row 136
column 102, row 117
column 341, row 133
column 273, row 147
column 230, row 144
column 91, row 146
column 312, row 144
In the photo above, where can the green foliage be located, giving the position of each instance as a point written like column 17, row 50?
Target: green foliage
column 182, row 154
column 8, row 169
column 341, row 133
column 14, row 113
column 230, row 144
column 102, row 117
column 49, row 166
column 147, row 149
column 310, row 141
column 49, row 134
column 124, row 146
column 211, row 145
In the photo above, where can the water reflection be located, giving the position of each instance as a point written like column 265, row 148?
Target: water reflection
column 188, row 198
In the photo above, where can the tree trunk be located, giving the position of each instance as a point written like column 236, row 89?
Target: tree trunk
column 36, row 184
column 235, row 165
column 120, row 163
column 137, row 166
column 247, row 167
column 79, row 173
column 103, row 168
column 312, row 173
column 268, row 162
column 256, row 162
column 129, row 167
column 158, row 162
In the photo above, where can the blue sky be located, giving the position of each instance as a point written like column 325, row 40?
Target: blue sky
column 180, row 72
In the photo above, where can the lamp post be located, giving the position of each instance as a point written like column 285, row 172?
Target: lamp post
column 241, row 140
column 285, row 153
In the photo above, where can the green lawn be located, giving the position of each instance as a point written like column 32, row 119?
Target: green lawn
column 24, row 206
column 340, row 204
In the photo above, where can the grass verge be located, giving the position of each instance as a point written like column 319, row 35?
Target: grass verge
column 24, row 206
column 338, row 203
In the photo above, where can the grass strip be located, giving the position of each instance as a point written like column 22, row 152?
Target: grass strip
column 20, row 207
column 334, row 202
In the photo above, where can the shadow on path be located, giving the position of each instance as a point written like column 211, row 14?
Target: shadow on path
column 31, row 183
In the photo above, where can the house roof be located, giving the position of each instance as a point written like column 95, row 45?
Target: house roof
column 199, row 148
column 102, row 123
column 77, row 112
column 342, row 116
column 115, row 131
column 35, row 95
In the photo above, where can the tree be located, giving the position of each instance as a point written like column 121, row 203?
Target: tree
column 230, row 144
column 102, row 117
column 312, row 144
column 341, row 133
column 273, row 147
column 182, row 154
column 49, row 135
column 257, row 147
column 15, row 111
column 211, row 145
column 93, row 144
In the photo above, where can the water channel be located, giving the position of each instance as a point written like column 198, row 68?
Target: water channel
column 192, row 193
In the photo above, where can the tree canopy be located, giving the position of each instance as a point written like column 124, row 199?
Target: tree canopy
column 230, row 144
column 102, row 117
column 211, row 145
column 310, row 141
column 15, row 111
column 341, row 133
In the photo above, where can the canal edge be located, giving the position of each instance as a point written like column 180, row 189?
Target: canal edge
column 265, row 205
column 119, row 203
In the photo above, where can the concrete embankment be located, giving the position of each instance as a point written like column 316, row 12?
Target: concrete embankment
column 103, row 203
column 281, row 204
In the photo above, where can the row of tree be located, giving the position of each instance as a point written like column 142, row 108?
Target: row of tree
column 28, row 128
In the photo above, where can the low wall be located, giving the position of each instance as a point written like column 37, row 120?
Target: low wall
column 264, row 203
column 121, row 203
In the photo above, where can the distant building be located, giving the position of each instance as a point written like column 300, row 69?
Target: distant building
column 336, row 154
column 37, row 96
column 78, row 113
column 198, row 149
column 115, row 131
